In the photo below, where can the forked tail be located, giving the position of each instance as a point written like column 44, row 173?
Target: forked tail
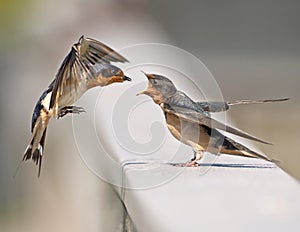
column 36, row 154
column 244, row 102
column 35, row 148
column 232, row 147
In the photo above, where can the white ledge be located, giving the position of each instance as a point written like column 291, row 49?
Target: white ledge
column 234, row 194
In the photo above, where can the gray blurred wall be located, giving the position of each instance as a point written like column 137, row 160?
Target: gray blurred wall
column 251, row 48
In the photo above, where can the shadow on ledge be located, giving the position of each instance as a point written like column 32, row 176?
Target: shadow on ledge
column 220, row 165
column 224, row 165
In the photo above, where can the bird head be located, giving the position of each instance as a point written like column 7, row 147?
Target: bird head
column 108, row 74
column 159, row 88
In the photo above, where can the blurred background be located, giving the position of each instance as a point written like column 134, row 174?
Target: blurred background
column 251, row 48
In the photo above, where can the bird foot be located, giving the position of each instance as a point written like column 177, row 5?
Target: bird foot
column 70, row 109
column 192, row 163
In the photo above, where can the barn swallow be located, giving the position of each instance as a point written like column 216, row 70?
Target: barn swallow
column 87, row 65
column 190, row 122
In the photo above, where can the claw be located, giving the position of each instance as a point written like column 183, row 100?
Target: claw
column 192, row 163
column 70, row 109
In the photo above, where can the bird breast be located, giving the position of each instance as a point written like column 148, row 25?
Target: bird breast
column 71, row 95
column 187, row 132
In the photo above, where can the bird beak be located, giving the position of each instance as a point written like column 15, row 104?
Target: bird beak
column 149, row 76
column 140, row 93
column 125, row 78
column 145, row 91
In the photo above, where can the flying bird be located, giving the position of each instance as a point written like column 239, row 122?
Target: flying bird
column 87, row 65
column 190, row 122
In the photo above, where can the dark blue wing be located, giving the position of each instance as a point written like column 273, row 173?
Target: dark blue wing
column 213, row 106
column 39, row 106
column 180, row 99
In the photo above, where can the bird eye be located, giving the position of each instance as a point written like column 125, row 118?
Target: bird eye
column 116, row 72
column 154, row 82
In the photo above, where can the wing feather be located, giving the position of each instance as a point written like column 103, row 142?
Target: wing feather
column 201, row 119
column 213, row 106
column 79, row 64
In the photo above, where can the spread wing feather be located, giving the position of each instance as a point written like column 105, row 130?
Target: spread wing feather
column 79, row 64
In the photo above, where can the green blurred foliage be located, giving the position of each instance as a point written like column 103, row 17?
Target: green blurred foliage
column 13, row 16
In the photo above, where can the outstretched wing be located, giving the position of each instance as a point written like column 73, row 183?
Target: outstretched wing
column 79, row 64
column 199, row 118
column 224, row 106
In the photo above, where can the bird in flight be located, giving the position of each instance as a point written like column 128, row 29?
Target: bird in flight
column 87, row 65
column 190, row 122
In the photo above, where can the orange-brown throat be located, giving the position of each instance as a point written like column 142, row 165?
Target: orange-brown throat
column 104, row 81
column 154, row 93
column 115, row 79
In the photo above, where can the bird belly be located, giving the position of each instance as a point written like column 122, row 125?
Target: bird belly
column 71, row 95
column 46, row 101
column 189, row 133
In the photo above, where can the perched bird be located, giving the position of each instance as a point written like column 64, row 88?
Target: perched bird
column 87, row 65
column 190, row 122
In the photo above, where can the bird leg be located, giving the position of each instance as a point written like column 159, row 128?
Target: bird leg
column 193, row 162
column 69, row 109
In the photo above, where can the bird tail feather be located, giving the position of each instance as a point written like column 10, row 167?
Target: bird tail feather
column 244, row 102
column 231, row 147
column 35, row 148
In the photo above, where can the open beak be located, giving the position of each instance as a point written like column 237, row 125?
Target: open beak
column 144, row 91
column 125, row 78
column 149, row 76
